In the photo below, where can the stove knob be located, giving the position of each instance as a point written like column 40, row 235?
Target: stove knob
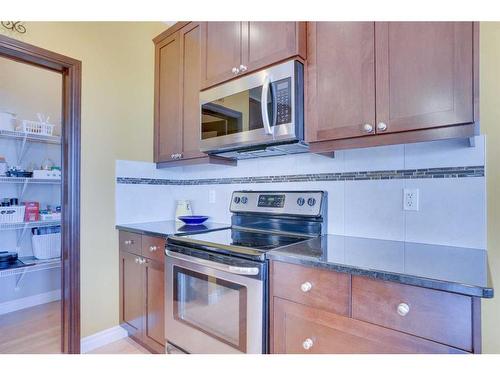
column 311, row 202
column 236, row 200
column 301, row 201
column 244, row 200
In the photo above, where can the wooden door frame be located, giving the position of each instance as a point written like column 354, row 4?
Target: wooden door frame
column 70, row 70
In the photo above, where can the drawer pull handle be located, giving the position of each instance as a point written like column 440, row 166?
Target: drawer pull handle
column 306, row 287
column 153, row 248
column 403, row 309
column 308, row 344
column 129, row 242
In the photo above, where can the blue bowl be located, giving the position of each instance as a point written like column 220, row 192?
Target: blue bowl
column 193, row 220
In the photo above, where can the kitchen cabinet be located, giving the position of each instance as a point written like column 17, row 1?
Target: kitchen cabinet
column 177, row 87
column 301, row 329
column 230, row 49
column 130, row 293
column 340, row 92
column 142, row 289
column 376, row 83
column 323, row 311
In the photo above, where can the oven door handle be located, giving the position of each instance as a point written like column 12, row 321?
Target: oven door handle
column 263, row 106
column 248, row 271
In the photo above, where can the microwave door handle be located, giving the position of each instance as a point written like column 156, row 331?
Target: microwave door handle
column 246, row 271
column 263, row 106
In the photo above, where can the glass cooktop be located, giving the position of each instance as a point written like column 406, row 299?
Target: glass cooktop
column 241, row 241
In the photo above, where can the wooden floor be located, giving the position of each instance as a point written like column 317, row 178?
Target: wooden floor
column 35, row 330
column 123, row 346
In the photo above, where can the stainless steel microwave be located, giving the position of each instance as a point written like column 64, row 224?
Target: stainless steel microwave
column 261, row 114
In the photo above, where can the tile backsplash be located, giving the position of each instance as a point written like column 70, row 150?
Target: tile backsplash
column 365, row 190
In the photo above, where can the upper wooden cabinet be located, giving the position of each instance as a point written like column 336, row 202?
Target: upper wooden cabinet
column 415, row 79
column 424, row 74
column 177, row 90
column 177, row 123
column 340, row 92
column 230, row 49
column 168, row 96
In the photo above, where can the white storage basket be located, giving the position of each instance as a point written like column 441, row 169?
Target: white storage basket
column 46, row 246
column 12, row 214
column 36, row 127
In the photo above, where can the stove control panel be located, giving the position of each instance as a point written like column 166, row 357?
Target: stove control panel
column 296, row 203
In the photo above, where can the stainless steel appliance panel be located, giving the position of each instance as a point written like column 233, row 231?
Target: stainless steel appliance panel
column 208, row 308
column 257, row 109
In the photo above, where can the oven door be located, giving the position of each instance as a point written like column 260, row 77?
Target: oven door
column 212, row 307
column 257, row 109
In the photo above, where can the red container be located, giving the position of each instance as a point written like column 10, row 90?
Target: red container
column 32, row 211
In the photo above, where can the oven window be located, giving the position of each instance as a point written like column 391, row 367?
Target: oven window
column 214, row 306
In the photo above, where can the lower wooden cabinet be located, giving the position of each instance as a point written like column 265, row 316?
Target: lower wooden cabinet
column 131, row 293
column 320, row 311
column 142, row 297
column 303, row 329
column 154, row 314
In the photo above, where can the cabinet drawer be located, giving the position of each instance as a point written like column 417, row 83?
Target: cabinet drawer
column 435, row 315
column 130, row 242
column 153, row 248
column 302, row 329
column 323, row 289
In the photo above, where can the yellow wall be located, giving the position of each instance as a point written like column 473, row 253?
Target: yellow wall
column 490, row 125
column 117, row 123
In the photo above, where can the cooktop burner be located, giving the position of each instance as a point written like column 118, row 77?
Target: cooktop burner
column 241, row 241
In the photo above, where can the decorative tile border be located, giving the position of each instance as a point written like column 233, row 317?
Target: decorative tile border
column 452, row 172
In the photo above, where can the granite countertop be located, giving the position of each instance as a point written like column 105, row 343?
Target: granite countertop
column 447, row 268
column 169, row 227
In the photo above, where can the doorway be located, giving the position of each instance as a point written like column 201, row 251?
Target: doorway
column 40, row 226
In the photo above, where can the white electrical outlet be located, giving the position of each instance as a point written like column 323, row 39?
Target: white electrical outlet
column 211, row 196
column 410, row 199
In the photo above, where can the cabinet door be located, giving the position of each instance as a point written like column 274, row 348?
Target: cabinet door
column 190, row 47
column 220, row 51
column 299, row 329
column 266, row 43
column 154, row 314
column 168, row 99
column 340, row 88
column 131, row 295
column 424, row 74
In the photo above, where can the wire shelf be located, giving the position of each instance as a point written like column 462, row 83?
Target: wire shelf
column 52, row 139
column 37, row 265
column 28, row 180
column 29, row 224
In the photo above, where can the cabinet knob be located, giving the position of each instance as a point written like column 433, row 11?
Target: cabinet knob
column 306, row 287
column 235, row 70
column 243, row 68
column 308, row 344
column 128, row 242
column 403, row 309
column 153, row 248
column 381, row 126
column 367, row 128
column 137, row 260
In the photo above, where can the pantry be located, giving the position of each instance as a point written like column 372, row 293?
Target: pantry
column 30, row 201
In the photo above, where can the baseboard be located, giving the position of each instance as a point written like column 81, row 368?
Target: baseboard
column 102, row 338
column 24, row 303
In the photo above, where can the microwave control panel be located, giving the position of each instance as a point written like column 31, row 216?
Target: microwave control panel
column 283, row 89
